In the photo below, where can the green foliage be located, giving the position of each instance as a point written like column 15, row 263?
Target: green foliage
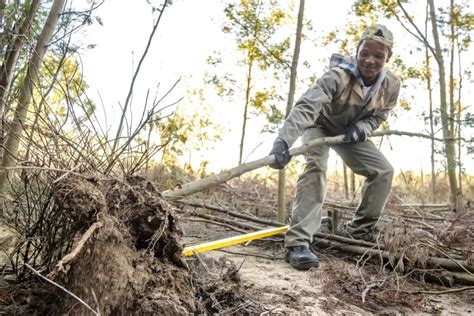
column 274, row 118
column 406, row 72
column 464, row 24
column 404, row 104
column 14, row 15
column 348, row 37
column 259, row 99
column 253, row 25
column 61, row 86
column 364, row 7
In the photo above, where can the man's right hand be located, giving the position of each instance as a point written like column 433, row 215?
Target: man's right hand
column 354, row 135
column 281, row 153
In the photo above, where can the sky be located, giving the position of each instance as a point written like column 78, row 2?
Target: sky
column 189, row 32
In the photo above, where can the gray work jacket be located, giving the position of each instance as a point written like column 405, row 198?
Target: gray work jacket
column 336, row 102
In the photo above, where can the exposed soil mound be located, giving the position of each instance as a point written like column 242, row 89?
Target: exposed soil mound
column 132, row 263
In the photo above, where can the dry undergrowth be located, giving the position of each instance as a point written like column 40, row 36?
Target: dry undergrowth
column 366, row 287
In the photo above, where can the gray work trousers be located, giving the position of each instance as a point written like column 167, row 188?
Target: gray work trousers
column 364, row 159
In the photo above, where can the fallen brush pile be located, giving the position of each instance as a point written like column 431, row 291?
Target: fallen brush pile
column 427, row 245
column 445, row 247
column 407, row 237
column 125, row 259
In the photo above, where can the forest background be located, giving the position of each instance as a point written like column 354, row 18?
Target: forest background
column 122, row 87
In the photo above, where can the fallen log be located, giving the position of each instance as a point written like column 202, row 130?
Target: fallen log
column 227, row 221
column 433, row 206
column 448, row 264
column 324, row 219
column 219, row 209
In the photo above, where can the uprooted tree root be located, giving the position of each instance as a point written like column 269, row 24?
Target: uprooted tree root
column 131, row 262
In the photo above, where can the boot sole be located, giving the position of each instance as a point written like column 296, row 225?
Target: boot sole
column 303, row 265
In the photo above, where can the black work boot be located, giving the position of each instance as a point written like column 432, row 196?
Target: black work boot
column 301, row 258
column 369, row 234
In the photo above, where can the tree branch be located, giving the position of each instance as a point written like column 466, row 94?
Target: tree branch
column 423, row 38
column 202, row 184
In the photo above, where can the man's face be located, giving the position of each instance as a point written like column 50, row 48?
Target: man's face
column 371, row 58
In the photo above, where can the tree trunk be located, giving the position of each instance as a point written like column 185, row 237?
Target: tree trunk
column 2, row 9
column 15, row 129
column 445, row 119
column 454, row 112
column 11, row 56
column 458, row 118
column 353, row 185
column 291, row 95
column 431, row 113
column 248, row 87
column 346, row 181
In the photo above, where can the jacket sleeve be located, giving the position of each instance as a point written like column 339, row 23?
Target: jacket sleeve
column 306, row 109
column 371, row 123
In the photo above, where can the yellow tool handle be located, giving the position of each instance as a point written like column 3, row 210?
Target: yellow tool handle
column 190, row 250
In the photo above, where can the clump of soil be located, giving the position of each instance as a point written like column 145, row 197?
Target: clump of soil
column 132, row 264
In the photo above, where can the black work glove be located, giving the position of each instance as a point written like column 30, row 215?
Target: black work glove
column 281, row 153
column 354, row 135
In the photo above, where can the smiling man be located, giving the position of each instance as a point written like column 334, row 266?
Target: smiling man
column 353, row 98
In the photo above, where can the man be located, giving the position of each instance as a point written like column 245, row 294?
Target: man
column 353, row 98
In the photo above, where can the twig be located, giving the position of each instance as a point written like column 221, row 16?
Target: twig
column 227, row 221
column 462, row 289
column 134, row 78
column 62, row 288
column 350, row 241
column 95, row 300
column 419, row 222
column 250, row 254
column 216, row 223
column 42, row 168
column 234, row 310
column 211, row 207
column 67, row 173
column 371, row 285
column 204, row 265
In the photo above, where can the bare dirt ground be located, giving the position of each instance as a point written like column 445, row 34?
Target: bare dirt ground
column 279, row 289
